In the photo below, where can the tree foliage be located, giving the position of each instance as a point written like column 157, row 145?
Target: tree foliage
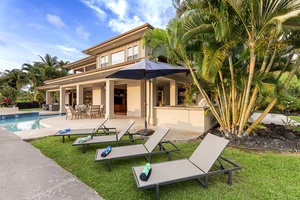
column 236, row 50
column 13, row 81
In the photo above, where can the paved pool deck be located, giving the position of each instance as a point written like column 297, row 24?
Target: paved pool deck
column 25, row 173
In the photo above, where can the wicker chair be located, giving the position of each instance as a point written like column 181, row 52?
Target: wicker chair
column 71, row 112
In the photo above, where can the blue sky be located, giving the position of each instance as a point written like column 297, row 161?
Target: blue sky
column 61, row 28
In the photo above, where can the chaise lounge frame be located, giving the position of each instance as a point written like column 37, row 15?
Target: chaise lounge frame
column 90, row 131
column 118, row 138
column 198, row 166
column 146, row 149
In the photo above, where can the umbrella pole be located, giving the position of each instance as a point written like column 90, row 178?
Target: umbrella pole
column 145, row 96
column 145, row 131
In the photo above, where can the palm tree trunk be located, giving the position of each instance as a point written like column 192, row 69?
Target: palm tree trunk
column 226, row 105
column 233, row 95
column 255, row 91
column 248, row 88
column 208, row 101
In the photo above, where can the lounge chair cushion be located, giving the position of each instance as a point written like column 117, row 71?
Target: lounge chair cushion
column 166, row 172
column 204, row 159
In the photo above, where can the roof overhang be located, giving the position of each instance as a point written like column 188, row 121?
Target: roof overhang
column 82, row 62
column 95, row 74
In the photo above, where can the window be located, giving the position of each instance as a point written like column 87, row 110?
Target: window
column 104, row 61
column 117, row 57
column 132, row 53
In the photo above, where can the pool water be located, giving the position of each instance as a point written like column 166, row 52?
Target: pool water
column 23, row 123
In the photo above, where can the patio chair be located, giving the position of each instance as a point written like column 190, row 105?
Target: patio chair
column 71, row 112
column 101, row 111
column 109, row 138
column 89, row 131
column 93, row 111
column 146, row 149
column 198, row 166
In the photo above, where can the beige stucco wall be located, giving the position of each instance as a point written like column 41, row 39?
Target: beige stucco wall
column 181, row 117
column 96, row 95
column 135, row 100
column 9, row 110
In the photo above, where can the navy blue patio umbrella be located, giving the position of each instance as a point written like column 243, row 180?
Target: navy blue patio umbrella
column 144, row 70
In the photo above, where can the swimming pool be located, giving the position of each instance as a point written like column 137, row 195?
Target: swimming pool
column 22, row 123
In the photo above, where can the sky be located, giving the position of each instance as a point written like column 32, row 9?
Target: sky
column 29, row 28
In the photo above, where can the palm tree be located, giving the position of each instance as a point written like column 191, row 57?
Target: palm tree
column 15, row 78
column 234, row 47
column 49, row 68
column 34, row 73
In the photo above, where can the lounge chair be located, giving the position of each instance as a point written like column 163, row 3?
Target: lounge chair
column 196, row 167
column 109, row 138
column 146, row 149
column 91, row 131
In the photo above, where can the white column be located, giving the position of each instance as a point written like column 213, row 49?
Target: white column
column 79, row 94
column 109, row 102
column 62, row 99
column 48, row 97
column 173, row 92
column 153, row 102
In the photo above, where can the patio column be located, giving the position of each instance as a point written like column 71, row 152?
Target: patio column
column 48, row 97
column 62, row 99
column 109, row 102
column 173, row 92
column 102, row 95
column 79, row 94
column 152, row 101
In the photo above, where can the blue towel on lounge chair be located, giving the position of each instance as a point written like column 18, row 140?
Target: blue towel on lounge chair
column 146, row 172
column 85, row 139
column 106, row 151
column 67, row 129
column 64, row 131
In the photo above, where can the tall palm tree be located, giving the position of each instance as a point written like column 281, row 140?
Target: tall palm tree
column 47, row 69
column 14, row 78
column 234, row 47
column 34, row 73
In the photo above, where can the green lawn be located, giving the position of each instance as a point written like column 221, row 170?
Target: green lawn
column 296, row 118
column 264, row 175
column 293, row 126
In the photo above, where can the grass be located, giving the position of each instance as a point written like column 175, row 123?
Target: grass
column 296, row 118
column 293, row 126
column 264, row 175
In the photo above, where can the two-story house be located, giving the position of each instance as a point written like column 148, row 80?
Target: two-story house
column 88, row 85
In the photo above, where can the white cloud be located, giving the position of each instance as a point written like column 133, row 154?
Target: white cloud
column 95, row 6
column 118, row 7
column 123, row 25
column 67, row 50
column 80, row 31
column 123, row 15
column 55, row 20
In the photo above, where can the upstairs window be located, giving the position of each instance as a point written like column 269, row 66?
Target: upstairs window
column 117, row 57
column 132, row 53
column 104, row 61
